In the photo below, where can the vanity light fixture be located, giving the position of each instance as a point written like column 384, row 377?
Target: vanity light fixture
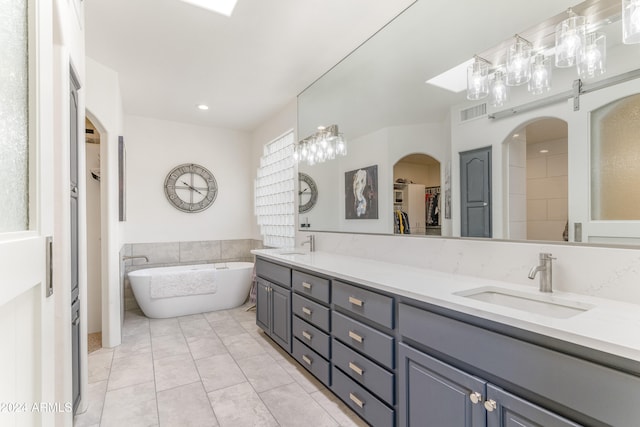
column 202, row 107
column 499, row 89
column 630, row 21
column 592, row 58
column 570, row 39
column 519, row 62
column 325, row 144
column 540, row 75
column 478, row 79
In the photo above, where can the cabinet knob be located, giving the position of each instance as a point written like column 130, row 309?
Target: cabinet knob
column 306, row 311
column 490, row 405
column 475, row 397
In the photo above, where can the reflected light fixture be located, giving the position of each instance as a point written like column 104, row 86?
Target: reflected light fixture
column 325, row 144
column 540, row 75
column 203, row 107
column 630, row 21
column 570, row 38
column 499, row 89
column 592, row 58
column 519, row 62
column 478, row 79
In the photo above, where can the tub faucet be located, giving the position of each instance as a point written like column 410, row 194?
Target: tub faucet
column 126, row 257
column 546, row 272
column 312, row 243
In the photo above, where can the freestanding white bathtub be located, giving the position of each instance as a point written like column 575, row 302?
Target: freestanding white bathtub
column 163, row 292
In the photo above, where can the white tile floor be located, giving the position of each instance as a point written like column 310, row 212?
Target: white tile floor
column 212, row 369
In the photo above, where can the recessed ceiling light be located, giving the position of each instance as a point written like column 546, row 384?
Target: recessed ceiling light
column 223, row 7
column 544, row 151
column 454, row 79
column 203, row 107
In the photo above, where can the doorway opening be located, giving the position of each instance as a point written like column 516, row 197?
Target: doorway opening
column 538, row 194
column 94, row 250
column 416, row 195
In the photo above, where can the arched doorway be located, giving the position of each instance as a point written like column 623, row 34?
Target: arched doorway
column 416, row 195
column 537, row 186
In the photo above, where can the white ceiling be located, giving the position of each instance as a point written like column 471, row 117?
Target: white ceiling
column 171, row 56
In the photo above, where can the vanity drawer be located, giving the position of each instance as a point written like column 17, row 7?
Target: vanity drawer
column 375, row 344
column 374, row 411
column 377, row 379
column 312, row 312
column 374, row 306
column 312, row 336
column 312, row 361
column 273, row 272
column 312, row 286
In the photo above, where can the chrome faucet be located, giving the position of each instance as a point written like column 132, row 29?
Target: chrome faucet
column 546, row 272
column 126, row 257
column 312, row 243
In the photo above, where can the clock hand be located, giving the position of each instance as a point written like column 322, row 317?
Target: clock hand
column 300, row 192
column 192, row 188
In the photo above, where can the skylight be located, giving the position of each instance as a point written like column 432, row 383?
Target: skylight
column 223, row 7
column 454, row 79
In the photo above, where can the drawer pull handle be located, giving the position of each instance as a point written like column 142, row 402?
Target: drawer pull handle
column 355, row 336
column 356, row 301
column 355, row 368
column 307, row 335
column 307, row 360
column 306, row 311
column 356, row 400
column 306, row 285
column 490, row 405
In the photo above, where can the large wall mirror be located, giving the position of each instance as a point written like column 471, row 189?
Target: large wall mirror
column 552, row 170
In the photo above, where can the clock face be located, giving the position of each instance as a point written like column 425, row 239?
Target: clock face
column 190, row 188
column 307, row 193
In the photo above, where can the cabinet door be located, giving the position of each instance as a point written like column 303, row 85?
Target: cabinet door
column 263, row 311
column 512, row 411
column 434, row 394
column 281, row 316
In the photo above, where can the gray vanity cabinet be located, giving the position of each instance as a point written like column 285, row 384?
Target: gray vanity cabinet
column 433, row 393
column 312, row 323
column 273, row 302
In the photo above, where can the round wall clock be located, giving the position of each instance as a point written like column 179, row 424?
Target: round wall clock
column 307, row 193
column 190, row 188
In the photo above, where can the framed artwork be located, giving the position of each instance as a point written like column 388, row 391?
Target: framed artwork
column 361, row 193
column 122, row 208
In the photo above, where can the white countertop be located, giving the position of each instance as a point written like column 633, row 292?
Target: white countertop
column 610, row 326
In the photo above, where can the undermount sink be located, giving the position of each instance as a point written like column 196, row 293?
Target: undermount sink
column 544, row 304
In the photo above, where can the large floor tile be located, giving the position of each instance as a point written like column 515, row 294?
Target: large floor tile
column 133, row 345
column 131, row 406
column 219, row 371
column 205, row 346
column 293, row 407
column 95, row 397
column 160, row 327
column 168, row 345
column 128, row 371
column 216, row 316
column 242, row 346
column 186, row 406
column 100, row 365
column 337, row 409
column 263, row 372
column 300, row 375
column 270, row 347
column 175, row 371
column 227, row 327
column 240, row 406
column 135, row 325
column 196, row 328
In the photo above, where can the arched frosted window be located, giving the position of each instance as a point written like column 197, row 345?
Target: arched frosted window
column 615, row 160
column 14, row 123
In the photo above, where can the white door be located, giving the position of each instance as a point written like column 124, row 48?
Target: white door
column 26, row 219
column 601, row 165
